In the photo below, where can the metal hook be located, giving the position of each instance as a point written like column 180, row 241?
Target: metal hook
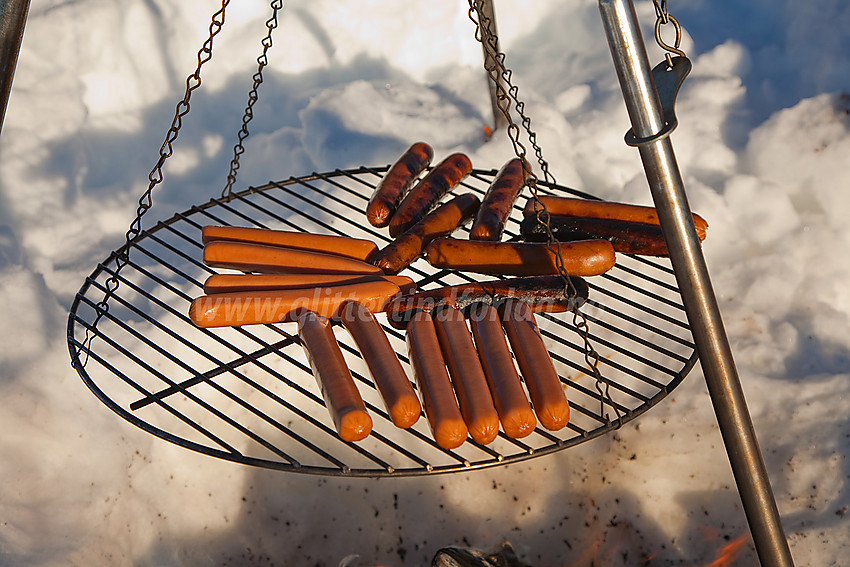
column 666, row 46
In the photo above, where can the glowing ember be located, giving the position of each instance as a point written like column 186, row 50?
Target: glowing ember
column 727, row 554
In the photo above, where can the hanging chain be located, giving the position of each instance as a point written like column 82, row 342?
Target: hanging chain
column 662, row 18
column 122, row 257
column 497, row 70
column 253, row 95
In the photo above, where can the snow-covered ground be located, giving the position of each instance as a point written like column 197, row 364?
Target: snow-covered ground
column 763, row 145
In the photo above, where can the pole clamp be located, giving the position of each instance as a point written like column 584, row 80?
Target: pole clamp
column 668, row 79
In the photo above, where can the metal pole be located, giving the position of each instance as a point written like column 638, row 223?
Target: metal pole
column 499, row 119
column 13, row 16
column 665, row 181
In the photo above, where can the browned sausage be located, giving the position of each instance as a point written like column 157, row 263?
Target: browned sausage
column 399, row 397
column 625, row 236
column 226, row 283
column 541, row 293
column 280, row 306
column 570, row 206
column 498, row 201
column 276, row 259
column 357, row 248
column 348, row 412
column 396, row 182
column 547, row 396
column 513, row 407
column 425, row 194
column 438, row 397
column 443, row 220
column 581, row 258
column 470, row 384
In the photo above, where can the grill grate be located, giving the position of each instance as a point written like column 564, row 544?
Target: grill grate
column 247, row 394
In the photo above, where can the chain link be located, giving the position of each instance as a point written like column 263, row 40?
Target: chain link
column 497, row 69
column 662, row 18
column 661, row 11
column 253, row 96
column 122, row 257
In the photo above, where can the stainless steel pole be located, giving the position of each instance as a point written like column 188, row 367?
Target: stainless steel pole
column 13, row 16
column 715, row 354
column 500, row 121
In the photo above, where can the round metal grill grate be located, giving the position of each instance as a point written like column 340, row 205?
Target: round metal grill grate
column 247, row 394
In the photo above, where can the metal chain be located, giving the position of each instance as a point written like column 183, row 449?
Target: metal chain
column 253, row 95
column 663, row 17
column 484, row 34
column 122, row 257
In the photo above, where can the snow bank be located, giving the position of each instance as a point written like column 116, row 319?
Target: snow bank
column 762, row 145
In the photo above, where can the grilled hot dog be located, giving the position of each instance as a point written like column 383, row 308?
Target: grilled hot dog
column 396, row 182
column 470, row 384
column 348, row 412
column 625, row 236
column 498, row 201
column 249, row 257
column 357, row 248
column 266, row 307
column 540, row 293
column 438, row 397
column 425, row 194
column 226, row 283
column 581, row 258
column 569, row 206
column 547, row 397
column 409, row 245
column 399, row 397
column 509, row 397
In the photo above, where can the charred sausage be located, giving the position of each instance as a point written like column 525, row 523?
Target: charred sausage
column 509, row 397
column 399, row 397
column 625, row 236
column 435, row 387
column 396, row 182
column 581, row 258
column 547, row 397
column 409, row 245
column 424, row 195
column 346, row 407
column 541, row 293
column 498, row 201
column 570, row 206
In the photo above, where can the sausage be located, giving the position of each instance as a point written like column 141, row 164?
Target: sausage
column 625, row 236
column 348, row 412
column 396, row 182
column 409, row 245
column 581, row 258
column 435, row 387
column 275, row 259
column 226, row 283
column 498, row 201
column 399, row 397
column 267, row 307
column 357, row 248
column 470, row 384
column 570, row 206
column 510, row 400
column 544, row 386
column 425, row 194
column 541, row 293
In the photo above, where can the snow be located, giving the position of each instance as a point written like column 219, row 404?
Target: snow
column 763, row 142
